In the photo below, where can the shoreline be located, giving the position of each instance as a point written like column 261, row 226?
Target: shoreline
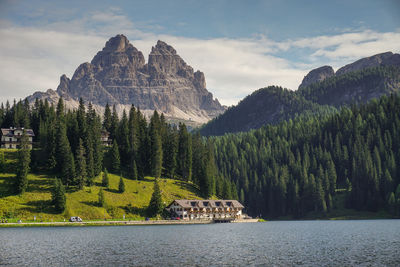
column 116, row 223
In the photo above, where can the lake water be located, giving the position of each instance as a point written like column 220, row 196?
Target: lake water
column 281, row 243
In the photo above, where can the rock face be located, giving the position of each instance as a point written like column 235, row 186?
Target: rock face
column 119, row 75
column 317, row 75
column 384, row 59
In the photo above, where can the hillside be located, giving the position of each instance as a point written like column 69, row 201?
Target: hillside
column 267, row 105
column 301, row 166
column 320, row 92
column 36, row 201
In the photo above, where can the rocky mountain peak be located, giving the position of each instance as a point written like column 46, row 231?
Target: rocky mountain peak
column 163, row 49
column 118, row 50
column 383, row 59
column 119, row 75
column 317, row 75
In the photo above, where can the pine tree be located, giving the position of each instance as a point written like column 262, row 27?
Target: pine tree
column 105, row 182
column 24, row 159
column 2, row 161
column 155, row 206
column 107, row 118
column 133, row 170
column 58, row 196
column 102, row 199
column 64, row 158
column 121, row 185
column 81, row 175
column 156, row 149
column 115, row 158
column 184, row 153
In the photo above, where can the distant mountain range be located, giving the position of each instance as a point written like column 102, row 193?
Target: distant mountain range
column 118, row 75
column 322, row 90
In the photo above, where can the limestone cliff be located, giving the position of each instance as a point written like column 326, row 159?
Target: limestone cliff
column 119, row 75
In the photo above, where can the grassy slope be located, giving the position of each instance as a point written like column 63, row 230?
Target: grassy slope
column 36, row 201
column 37, row 198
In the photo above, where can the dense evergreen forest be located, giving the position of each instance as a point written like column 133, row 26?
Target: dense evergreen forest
column 274, row 104
column 297, row 166
column 68, row 145
column 288, row 169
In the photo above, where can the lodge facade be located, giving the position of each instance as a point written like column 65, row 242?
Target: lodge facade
column 206, row 209
column 11, row 137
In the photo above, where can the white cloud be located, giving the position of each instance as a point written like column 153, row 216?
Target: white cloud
column 34, row 58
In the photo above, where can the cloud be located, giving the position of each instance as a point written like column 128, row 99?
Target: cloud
column 33, row 58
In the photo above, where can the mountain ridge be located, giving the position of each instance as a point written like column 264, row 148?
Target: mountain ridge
column 119, row 75
column 321, row 91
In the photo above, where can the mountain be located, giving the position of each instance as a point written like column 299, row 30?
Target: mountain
column 118, row 75
column 357, row 82
column 267, row 105
column 321, row 91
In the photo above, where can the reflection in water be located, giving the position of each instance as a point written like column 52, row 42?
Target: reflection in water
column 316, row 243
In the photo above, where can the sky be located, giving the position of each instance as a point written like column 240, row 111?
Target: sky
column 240, row 46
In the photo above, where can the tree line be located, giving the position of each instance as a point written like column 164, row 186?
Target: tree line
column 297, row 166
column 67, row 145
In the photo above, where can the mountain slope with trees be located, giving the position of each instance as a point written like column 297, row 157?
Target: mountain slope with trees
column 298, row 166
column 274, row 104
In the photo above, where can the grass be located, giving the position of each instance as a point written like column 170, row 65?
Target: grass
column 36, row 201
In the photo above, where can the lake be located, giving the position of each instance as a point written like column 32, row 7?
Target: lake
column 280, row 243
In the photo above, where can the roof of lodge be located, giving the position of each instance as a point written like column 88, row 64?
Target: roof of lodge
column 10, row 131
column 197, row 203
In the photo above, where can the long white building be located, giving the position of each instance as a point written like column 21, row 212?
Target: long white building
column 206, row 209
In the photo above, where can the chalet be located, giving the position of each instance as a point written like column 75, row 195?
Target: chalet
column 206, row 209
column 11, row 137
column 105, row 138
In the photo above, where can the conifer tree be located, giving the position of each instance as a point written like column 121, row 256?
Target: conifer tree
column 24, row 159
column 155, row 148
column 102, row 199
column 58, row 196
column 156, row 206
column 81, row 175
column 107, row 118
column 121, row 185
column 115, row 158
column 105, row 182
column 2, row 161
column 64, row 157
column 133, row 170
column 185, row 153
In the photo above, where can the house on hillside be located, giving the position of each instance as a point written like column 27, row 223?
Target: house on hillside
column 105, row 138
column 11, row 137
column 206, row 209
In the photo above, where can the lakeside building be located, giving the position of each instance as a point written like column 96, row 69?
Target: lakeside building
column 206, row 209
column 11, row 137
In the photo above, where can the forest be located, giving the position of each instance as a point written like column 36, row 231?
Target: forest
column 288, row 169
column 68, row 145
column 298, row 166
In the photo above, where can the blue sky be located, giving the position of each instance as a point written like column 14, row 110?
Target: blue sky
column 239, row 45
